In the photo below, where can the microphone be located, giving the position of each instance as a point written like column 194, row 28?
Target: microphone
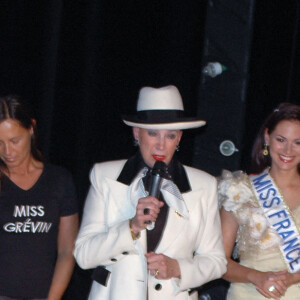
column 157, row 173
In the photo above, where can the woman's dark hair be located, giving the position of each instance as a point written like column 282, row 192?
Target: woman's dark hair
column 285, row 111
column 12, row 108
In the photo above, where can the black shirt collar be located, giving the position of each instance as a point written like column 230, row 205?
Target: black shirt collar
column 134, row 164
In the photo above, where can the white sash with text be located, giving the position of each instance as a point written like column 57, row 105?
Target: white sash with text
column 279, row 217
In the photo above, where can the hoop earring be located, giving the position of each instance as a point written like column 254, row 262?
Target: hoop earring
column 136, row 143
column 265, row 151
column 177, row 148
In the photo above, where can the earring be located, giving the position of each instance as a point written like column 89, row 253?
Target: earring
column 177, row 148
column 265, row 151
column 135, row 143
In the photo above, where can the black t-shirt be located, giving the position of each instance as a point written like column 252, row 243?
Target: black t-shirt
column 29, row 223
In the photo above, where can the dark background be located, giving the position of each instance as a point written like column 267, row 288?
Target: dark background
column 81, row 63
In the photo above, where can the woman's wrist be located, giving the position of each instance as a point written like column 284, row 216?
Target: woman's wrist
column 295, row 278
column 252, row 276
column 135, row 234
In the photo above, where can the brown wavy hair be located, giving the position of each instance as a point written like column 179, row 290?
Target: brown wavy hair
column 285, row 111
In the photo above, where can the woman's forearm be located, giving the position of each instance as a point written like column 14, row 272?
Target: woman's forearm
column 238, row 273
column 65, row 260
column 62, row 275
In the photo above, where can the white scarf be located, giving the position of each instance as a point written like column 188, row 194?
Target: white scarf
column 169, row 190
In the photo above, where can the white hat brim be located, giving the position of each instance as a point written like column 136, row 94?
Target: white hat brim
column 167, row 126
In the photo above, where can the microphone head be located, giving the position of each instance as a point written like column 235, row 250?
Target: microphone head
column 159, row 168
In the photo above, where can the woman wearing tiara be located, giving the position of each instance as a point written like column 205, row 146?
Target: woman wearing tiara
column 261, row 213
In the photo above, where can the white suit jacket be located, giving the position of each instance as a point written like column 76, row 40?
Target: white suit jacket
column 104, row 239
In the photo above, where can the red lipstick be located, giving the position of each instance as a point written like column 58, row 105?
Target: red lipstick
column 159, row 157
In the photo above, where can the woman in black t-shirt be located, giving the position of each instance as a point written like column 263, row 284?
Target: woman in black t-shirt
column 38, row 212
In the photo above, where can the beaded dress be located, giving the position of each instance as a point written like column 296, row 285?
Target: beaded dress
column 257, row 244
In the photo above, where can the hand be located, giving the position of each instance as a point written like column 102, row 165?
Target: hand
column 138, row 223
column 264, row 280
column 162, row 266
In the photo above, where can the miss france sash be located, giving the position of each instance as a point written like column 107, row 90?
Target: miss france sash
column 279, row 217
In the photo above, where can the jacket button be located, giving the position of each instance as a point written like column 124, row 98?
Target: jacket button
column 125, row 253
column 113, row 259
column 158, row 287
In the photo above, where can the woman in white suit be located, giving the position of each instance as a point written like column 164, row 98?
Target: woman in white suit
column 146, row 247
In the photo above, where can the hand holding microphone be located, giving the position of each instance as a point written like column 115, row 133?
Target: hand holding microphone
column 148, row 208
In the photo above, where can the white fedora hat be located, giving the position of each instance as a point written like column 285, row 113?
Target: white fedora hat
column 161, row 108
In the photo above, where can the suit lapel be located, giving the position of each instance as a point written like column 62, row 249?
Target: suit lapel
column 119, row 206
column 176, row 224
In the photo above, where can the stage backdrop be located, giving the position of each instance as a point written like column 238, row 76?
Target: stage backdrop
column 81, row 63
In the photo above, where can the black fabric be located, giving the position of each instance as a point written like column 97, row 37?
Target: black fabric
column 100, row 274
column 159, row 117
column 29, row 222
column 131, row 168
column 176, row 170
column 80, row 66
column 9, row 298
